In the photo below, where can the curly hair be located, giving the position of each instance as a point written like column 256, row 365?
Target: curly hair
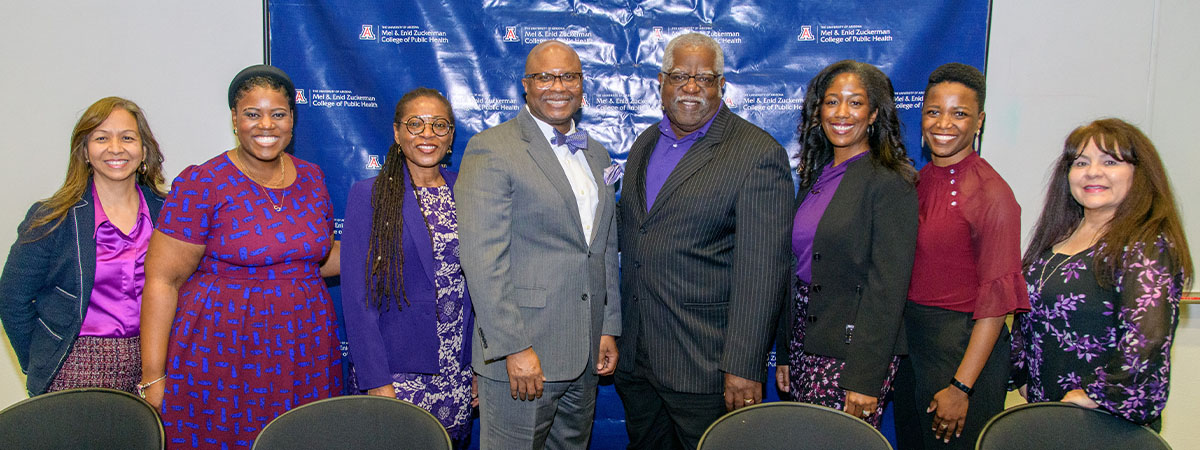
column 884, row 137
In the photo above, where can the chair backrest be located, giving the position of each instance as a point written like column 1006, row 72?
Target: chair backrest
column 1064, row 426
column 791, row 425
column 360, row 422
column 86, row 418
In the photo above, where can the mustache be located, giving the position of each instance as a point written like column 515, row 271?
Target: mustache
column 692, row 98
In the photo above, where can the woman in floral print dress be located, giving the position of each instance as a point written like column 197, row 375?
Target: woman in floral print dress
column 408, row 314
column 1106, row 268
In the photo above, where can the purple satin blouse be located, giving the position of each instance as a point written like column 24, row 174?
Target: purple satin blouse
column 114, row 309
column 808, row 215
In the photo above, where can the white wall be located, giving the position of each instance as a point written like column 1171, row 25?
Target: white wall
column 175, row 59
column 1055, row 65
column 1052, row 66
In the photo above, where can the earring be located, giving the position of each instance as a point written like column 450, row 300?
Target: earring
column 142, row 170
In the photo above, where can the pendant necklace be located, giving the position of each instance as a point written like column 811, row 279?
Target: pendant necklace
column 278, row 207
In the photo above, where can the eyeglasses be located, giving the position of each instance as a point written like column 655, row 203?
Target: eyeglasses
column 545, row 79
column 704, row 80
column 416, row 125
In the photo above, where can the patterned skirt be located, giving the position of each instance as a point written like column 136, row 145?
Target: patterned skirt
column 114, row 363
column 814, row 378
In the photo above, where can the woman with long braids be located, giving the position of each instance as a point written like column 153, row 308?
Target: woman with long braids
column 72, row 286
column 407, row 311
column 853, row 236
column 1106, row 267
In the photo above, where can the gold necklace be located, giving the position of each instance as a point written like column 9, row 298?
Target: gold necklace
column 282, row 195
column 1042, row 278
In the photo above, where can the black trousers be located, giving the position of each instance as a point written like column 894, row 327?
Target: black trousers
column 937, row 340
column 657, row 418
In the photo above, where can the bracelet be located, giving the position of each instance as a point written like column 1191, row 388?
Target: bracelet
column 962, row 387
column 141, row 387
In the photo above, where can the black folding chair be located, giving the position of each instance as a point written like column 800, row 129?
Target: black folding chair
column 1064, row 426
column 360, row 422
column 86, row 418
column 791, row 425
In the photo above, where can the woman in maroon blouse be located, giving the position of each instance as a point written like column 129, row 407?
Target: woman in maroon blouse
column 966, row 275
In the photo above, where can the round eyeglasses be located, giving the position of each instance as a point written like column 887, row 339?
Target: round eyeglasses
column 704, row 80
column 546, row 79
column 416, row 125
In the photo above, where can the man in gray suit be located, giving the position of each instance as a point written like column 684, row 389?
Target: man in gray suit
column 538, row 242
column 706, row 216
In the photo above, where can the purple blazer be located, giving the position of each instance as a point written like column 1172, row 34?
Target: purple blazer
column 393, row 340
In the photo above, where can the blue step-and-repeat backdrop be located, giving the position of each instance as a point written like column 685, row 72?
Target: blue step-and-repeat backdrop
column 352, row 60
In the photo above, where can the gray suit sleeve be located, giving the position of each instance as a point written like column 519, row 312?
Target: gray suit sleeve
column 612, row 280
column 760, row 264
column 483, row 197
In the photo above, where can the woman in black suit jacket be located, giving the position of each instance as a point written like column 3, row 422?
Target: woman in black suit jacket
column 70, row 294
column 853, row 236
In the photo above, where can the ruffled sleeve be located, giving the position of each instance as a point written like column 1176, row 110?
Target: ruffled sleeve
column 1134, row 384
column 996, row 237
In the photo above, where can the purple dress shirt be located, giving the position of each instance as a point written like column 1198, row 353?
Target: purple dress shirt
column 808, row 215
column 666, row 155
column 115, row 305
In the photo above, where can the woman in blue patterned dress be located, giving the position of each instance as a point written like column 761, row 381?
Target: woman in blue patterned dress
column 237, row 325
column 1105, row 269
column 408, row 314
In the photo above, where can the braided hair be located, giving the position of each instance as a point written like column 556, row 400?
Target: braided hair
column 385, row 254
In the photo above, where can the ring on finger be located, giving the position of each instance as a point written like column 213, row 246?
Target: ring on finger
column 866, row 413
column 943, row 426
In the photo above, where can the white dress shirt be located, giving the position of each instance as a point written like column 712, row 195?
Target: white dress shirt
column 579, row 174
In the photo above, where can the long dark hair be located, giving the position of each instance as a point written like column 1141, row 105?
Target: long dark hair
column 1147, row 211
column 385, row 255
column 884, row 138
column 79, row 172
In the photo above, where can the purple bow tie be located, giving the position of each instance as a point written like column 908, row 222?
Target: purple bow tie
column 575, row 141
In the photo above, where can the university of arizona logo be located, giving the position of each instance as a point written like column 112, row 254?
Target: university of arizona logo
column 806, row 33
column 656, row 33
column 730, row 103
column 373, row 162
column 300, row 98
column 367, row 33
column 510, row 34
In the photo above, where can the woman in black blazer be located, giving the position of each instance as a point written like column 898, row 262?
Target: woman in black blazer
column 70, row 295
column 853, row 236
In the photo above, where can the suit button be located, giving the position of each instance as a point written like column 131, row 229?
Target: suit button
column 589, row 254
column 637, row 264
column 816, row 256
column 642, row 230
column 635, row 299
column 816, row 288
column 583, row 297
column 812, row 318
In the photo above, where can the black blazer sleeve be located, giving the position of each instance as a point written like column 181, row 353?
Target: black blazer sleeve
column 893, row 203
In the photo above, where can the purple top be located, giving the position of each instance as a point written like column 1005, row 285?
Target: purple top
column 667, row 153
column 808, row 215
column 115, row 305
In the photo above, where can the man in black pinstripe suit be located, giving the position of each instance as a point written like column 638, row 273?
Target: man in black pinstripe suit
column 705, row 221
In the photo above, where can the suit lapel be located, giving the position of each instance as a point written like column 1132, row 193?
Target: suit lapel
column 636, row 163
column 539, row 149
column 414, row 226
column 598, row 161
column 696, row 157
